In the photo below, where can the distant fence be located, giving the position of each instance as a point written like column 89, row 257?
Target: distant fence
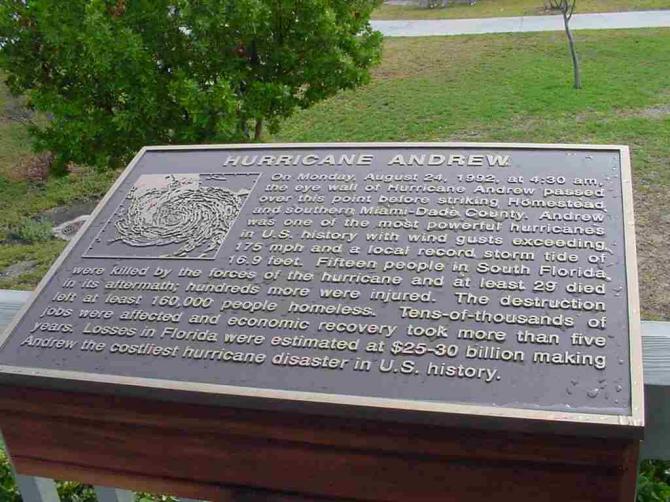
column 656, row 357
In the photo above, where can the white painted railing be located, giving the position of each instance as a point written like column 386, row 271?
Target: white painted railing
column 656, row 357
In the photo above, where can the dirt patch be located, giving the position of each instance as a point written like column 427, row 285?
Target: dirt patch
column 14, row 109
column 652, row 112
column 426, row 58
column 61, row 214
column 652, row 220
column 655, row 112
column 18, row 269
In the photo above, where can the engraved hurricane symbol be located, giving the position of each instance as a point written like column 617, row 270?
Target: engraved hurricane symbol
column 197, row 218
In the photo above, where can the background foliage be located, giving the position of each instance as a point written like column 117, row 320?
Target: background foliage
column 653, row 483
column 115, row 75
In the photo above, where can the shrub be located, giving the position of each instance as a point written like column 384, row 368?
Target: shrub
column 8, row 491
column 31, row 231
column 653, row 482
column 114, row 75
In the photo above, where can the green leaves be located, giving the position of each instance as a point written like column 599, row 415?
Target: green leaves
column 653, row 482
column 8, row 490
column 114, row 75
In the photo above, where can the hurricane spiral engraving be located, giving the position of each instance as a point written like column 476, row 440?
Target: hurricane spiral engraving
column 192, row 217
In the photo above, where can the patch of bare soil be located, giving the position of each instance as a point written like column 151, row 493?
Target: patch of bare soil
column 655, row 112
column 652, row 221
column 652, row 112
column 14, row 109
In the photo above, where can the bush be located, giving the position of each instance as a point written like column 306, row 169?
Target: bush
column 8, row 491
column 31, row 231
column 653, row 482
column 114, row 75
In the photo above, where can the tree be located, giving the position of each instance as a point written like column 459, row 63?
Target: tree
column 114, row 75
column 567, row 8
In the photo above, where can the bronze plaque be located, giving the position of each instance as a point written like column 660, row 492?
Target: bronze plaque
column 470, row 284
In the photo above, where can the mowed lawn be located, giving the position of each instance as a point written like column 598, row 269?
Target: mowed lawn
column 504, row 8
column 517, row 88
column 509, row 88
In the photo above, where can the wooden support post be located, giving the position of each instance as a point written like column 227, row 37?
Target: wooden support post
column 34, row 489
column 108, row 494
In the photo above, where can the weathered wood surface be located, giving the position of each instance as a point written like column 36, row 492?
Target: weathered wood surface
column 201, row 451
column 10, row 303
column 656, row 353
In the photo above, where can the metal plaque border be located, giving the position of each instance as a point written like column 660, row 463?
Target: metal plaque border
column 632, row 423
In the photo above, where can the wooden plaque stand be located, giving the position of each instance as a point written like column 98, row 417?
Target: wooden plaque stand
column 211, row 452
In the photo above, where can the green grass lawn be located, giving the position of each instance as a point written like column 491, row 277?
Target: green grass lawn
column 502, row 8
column 517, row 88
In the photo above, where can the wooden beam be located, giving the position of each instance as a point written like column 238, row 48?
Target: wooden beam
column 201, row 451
column 656, row 353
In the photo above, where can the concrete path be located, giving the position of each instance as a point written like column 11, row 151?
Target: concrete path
column 600, row 21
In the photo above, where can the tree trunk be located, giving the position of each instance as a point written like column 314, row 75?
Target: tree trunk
column 258, row 130
column 573, row 52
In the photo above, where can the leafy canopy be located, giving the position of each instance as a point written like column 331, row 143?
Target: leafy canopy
column 114, row 75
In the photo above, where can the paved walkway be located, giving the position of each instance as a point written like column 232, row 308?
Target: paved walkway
column 600, row 21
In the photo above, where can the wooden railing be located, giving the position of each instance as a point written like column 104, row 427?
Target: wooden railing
column 656, row 356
